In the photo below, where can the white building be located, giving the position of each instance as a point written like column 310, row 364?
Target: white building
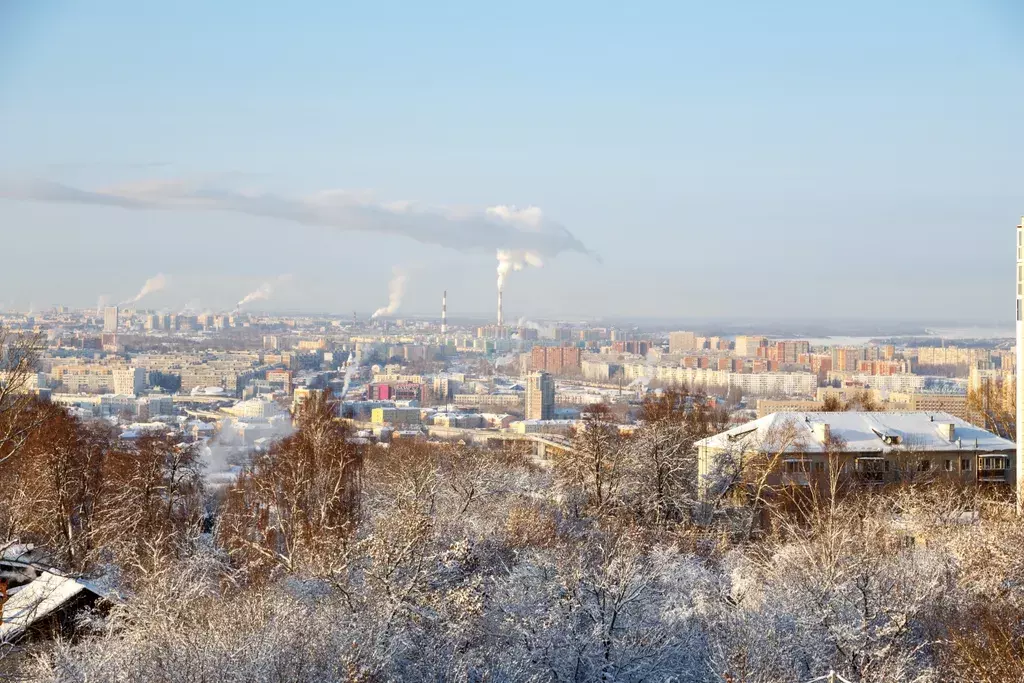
column 129, row 380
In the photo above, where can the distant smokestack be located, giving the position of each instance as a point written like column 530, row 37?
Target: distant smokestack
column 500, row 318
column 444, row 312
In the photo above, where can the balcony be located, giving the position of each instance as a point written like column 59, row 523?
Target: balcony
column 992, row 476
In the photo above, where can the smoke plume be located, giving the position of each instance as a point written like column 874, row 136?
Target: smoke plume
column 262, row 292
column 101, row 303
column 153, row 284
column 396, row 290
column 509, row 260
column 496, row 227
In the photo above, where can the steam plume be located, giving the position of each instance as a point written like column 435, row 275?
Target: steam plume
column 496, row 227
column 262, row 292
column 396, row 290
column 101, row 303
column 153, row 284
column 509, row 260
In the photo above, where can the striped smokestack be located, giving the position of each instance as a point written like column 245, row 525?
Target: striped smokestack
column 500, row 319
column 444, row 313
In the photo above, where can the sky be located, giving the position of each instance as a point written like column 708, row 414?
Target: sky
column 791, row 160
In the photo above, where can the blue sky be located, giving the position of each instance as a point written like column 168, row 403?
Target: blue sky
column 735, row 159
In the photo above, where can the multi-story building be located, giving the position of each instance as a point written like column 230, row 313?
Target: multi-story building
column 785, row 351
column 502, row 401
column 395, row 391
column 556, row 359
column 634, row 346
column 746, row 346
column 129, row 380
column 110, row 319
column 768, row 406
column 396, row 416
column 933, row 402
column 682, row 341
column 800, row 448
column 540, row 396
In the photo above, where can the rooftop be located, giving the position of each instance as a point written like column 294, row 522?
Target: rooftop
column 863, row 432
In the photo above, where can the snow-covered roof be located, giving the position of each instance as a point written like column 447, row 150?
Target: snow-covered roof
column 863, row 432
column 34, row 601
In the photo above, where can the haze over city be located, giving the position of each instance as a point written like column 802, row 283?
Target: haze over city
column 417, row 342
column 826, row 158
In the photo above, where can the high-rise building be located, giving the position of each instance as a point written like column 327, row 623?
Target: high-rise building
column 747, row 346
column 556, row 359
column 110, row 319
column 129, row 381
column 679, row 342
column 540, row 396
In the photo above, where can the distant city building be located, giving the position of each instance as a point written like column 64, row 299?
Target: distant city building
column 679, row 342
column 110, row 319
column 747, row 346
column 540, row 396
column 556, row 359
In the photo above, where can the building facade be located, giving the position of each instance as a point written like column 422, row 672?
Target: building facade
column 540, row 396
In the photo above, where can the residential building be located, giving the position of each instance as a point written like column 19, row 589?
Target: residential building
column 540, row 396
column 556, row 360
column 129, row 380
column 800, row 449
column 502, row 401
column 746, row 346
column 395, row 416
column 680, row 342
column 560, row 427
column 768, row 406
column 110, row 319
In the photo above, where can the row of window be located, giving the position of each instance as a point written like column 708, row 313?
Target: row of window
column 873, row 465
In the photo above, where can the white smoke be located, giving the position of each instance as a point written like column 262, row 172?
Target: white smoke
column 262, row 292
column 351, row 367
column 496, row 227
column 153, row 284
column 101, row 303
column 515, row 259
column 190, row 307
column 396, row 290
column 528, row 324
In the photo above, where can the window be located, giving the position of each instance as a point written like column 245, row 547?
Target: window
column 819, row 466
column 793, row 466
column 949, row 465
column 965, row 464
column 924, row 465
column 992, row 463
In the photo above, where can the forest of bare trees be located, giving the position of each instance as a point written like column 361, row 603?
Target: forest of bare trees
column 331, row 560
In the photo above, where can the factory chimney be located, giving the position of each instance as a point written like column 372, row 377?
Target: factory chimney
column 1019, row 484
column 501, row 320
column 444, row 313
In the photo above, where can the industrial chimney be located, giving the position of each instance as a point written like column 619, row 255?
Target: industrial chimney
column 501, row 320
column 444, row 313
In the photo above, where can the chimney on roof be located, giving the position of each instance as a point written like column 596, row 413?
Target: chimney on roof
column 822, row 432
column 947, row 430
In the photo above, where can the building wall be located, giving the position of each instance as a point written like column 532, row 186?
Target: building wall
column 540, row 396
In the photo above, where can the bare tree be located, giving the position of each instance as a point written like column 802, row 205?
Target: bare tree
column 19, row 357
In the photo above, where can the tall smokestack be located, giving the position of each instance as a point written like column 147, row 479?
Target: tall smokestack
column 501, row 320
column 444, row 312
column 1019, row 470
